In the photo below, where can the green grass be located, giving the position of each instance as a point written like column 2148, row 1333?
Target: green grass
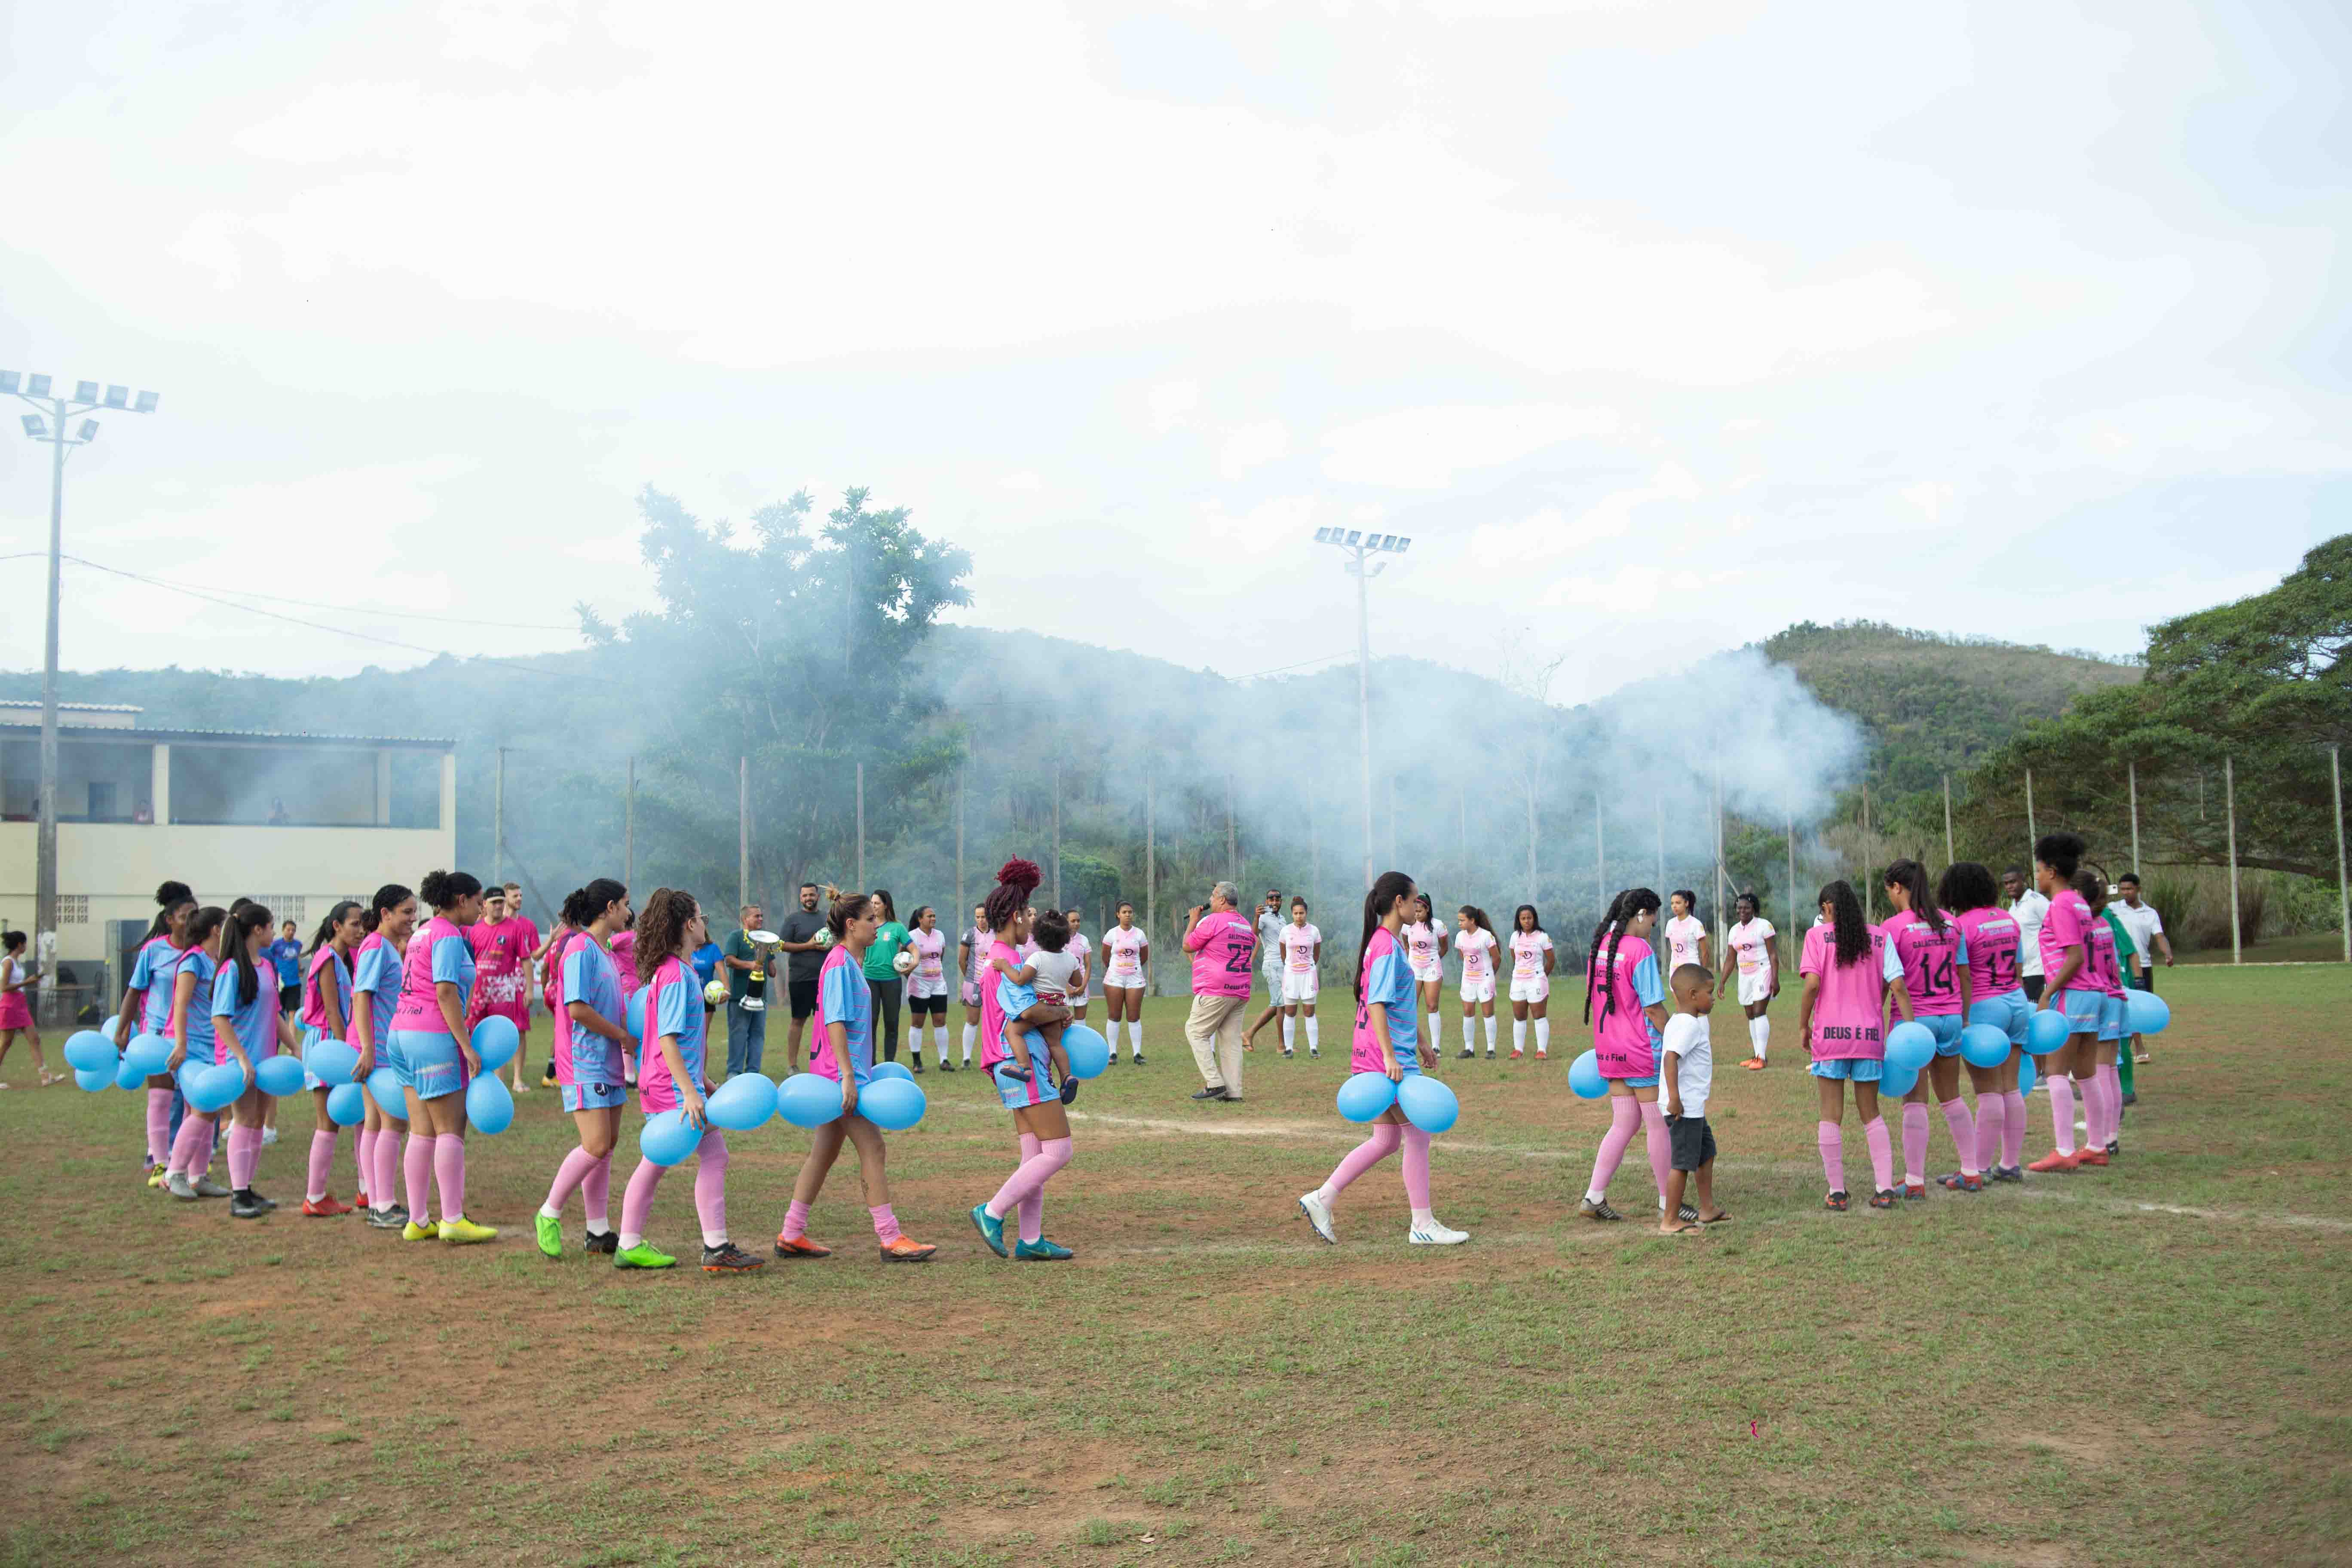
column 2140, row 1365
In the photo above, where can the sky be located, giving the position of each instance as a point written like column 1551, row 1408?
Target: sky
column 1656, row 327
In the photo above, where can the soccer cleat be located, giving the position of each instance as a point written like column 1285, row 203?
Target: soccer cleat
column 1598, row 1210
column 2092, row 1156
column 1542, row 1055
column 1288, row 1053
column 156, row 1174
column 947, row 1066
column 550, row 1228
column 642, row 1256
column 918, row 1068
column 324, row 1208
column 269, row 1137
column 393, row 1218
column 208, row 1188
column 1467, row 1054
column 1318, row 1215
column 1915, row 1192
column 906, row 1250
column 800, row 1246
column 1884, row 1198
column 243, row 1205
column 1516, row 1054
column 729, row 1258
column 1754, row 1064
column 1960, row 1182
column 360, row 1201
column 991, row 1228
column 1041, row 1251
column 1436, row 1235
column 2115, row 1147
column 1836, row 1203
column 1316, row 1052
column 2007, row 1173
column 2052, row 1161
column 427, row 1231
column 179, row 1186
column 1490, row 1053
column 1138, row 1061
column 605, row 1243
column 463, row 1232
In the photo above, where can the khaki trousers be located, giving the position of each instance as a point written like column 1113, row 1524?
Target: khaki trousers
column 1215, row 1032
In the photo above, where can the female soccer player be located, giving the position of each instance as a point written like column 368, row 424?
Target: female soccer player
column 883, row 982
column 16, row 1010
column 1531, row 964
column 1935, row 993
column 1686, row 941
column 1127, row 955
column 1755, row 951
column 1426, row 948
column 1302, row 954
column 670, row 1077
column 971, row 955
column 2111, row 959
column 1848, row 965
column 1478, row 949
column 248, row 1027
column 844, row 1052
column 1622, row 988
column 375, row 997
column 191, row 1027
column 1081, row 979
column 1385, row 1042
column 588, row 1035
column 2069, row 989
column 146, row 1009
column 326, row 1013
column 1990, row 934
column 501, row 942
column 432, row 1051
column 1037, row 1113
column 927, row 987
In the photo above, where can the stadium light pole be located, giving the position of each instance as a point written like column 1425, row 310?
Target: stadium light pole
column 1359, row 547
column 59, row 409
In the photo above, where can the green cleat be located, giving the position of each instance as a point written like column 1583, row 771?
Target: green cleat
column 426, row 1231
column 1040, row 1251
column 992, row 1231
column 551, row 1236
column 642, row 1256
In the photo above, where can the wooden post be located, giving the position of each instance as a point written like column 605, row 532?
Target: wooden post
column 743, row 830
column 963, row 911
column 1869, row 893
column 861, row 827
column 2343, row 889
column 629, row 827
column 1947, row 824
column 1151, row 882
column 1233, row 842
column 1057, row 833
column 2230, row 804
column 1794, row 896
column 2131, row 776
column 2031, row 835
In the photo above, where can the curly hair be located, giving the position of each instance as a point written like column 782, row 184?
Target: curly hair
column 661, row 928
column 1016, row 880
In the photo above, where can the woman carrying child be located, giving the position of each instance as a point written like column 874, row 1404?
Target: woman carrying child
column 1037, row 1113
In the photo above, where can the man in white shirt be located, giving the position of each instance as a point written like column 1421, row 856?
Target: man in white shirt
column 2028, row 907
column 2146, row 929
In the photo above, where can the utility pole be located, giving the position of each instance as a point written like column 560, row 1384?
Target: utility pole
column 2230, row 804
column 861, row 827
column 1150, row 877
column 499, row 823
column 1057, row 826
column 2343, row 889
column 742, row 831
column 1358, row 546
column 629, row 827
column 962, row 907
column 1947, row 824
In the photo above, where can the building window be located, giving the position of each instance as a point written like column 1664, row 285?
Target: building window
column 73, row 909
column 283, row 906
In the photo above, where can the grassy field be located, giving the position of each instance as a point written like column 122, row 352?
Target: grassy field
column 2141, row 1364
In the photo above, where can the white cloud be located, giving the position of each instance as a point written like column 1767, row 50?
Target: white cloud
column 1424, row 449
column 1172, row 403
column 1253, row 446
column 1026, row 480
column 1550, row 535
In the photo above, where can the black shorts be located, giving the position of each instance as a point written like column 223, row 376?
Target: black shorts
column 804, row 995
column 290, row 999
column 2144, row 980
column 2033, row 983
column 1694, row 1142
column 937, row 1006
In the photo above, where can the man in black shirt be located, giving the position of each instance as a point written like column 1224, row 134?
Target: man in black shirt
column 806, row 939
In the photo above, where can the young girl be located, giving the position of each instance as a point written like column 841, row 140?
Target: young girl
column 2068, row 989
column 1385, row 1042
column 2111, row 959
column 1935, row 993
column 844, row 1052
column 376, row 996
column 1531, row 964
column 326, row 1012
column 146, row 1009
column 927, row 988
column 670, row 1077
column 1848, row 965
column 1622, row 988
column 249, row 1028
column 1989, row 935
column 1426, row 948
column 1755, row 949
column 1127, row 955
column 1478, row 949
column 16, row 1007
column 589, row 1035
column 1038, row 1112
column 190, row 1024
column 432, row 1051
column 1301, row 947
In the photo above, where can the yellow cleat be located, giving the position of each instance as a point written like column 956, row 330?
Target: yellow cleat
column 412, row 1231
column 462, row 1232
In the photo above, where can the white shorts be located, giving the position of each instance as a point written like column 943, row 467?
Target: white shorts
column 1536, row 990
column 1433, row 975
column 1300, row 985
column 1755, row 986
column 1478, row 990
column 1122, row 981
column 916, row 986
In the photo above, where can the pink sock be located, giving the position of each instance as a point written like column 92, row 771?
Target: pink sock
column 1030, row 1211
column 1832, row 1145
column 637, row 1201
column 710, row 1187
column 886, row 1224
column 1993, row 1114
column 2095, row 1115
column 365, row 1144
column 204, row 1160
column 2061, row 1113
column 2012, row 1127
column 1964, row 1134
column 2111, row 1082
column 1915, row 1143
column 1031, row 1179
column 596, row 1194
column 195, row 1133
column 1416, row 1166
column 568, row 1177
column 1363, row 1157
column 1624, row 1115
column 322, row 1162
column 244, row 1156
column 391, row 1163
column 416, row 1165
column 796, row 1221
column 1881, row 1152
column 449, row 1174
column 159, row 1126
column 1661, row 1143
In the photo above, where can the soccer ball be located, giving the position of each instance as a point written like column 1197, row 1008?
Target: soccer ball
column 823, row 937
column 715, row 993
column 905, row 962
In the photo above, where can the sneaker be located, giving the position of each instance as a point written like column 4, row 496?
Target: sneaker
column 1542, row 1055
column 2052, row 1161
column 1041, row 1251
column 1288, row 1053
column 1915, row 1192
column 179, row 1186
column 1960, row 1182
column 360, row 1201
column 243, row 1205
column 1687, row 1214
column 1316, row 1052
column 1836, row 1203
column 2007, row 1173
column 949, row 1067
column 2091, row 1156
column 1599, row 1210
column 1516, row 1054
column 550, row 1229
column 729, row 1258
column 906, row 1249
column 642, row 1256
column 1883, row 1199
column 1490, row 1053
column 463, row 1232
column 991, row 1228
column 800, row 1246
column 605, row 1243
column 2115, row 1148
column 1436, row 1235
column 918, row 1069
column 1138, row 1061
column 155, row 1176
column 393, row 1218
column 547, row 1081
column 208, row 1188
column 427, row 1231
column 269, row 1137
column 1467, row 1054
column 324, row 1208
column 1318, row 1215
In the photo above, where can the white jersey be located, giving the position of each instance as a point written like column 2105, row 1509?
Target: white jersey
column 1475, row 949
column 1751, row 944
column 1298, row 946
column 930, row 961
column 1527, row 950
column 1083, row 950
column 1123, row 946
column 1421, row 949
column 1684, row 934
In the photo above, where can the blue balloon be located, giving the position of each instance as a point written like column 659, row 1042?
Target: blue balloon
column 2026, row 1077
column 2047, row 1032
column 1990, row 1011
column 384, row 1087
column 1984, row 1045
column 893, row 1104
column 215, row 1086
column 1585, row 1077
column 890, row 1069
column 668, row 1138
column 1366, row 1096
column 1894, row 1082
column 150, row 1052
column 2146, row 1013
column 108, row 1027
column 331, row 1062
column 1088, row 1052
column 89, row 1051
column 93, row 1081
column 495, row 1042
column 808, row 1100
column 347, row 1104
column 633, row 1011
column 1910, row 1044
column 743, row 1103
column 128, row 1075
column 1427, row 1103
column 279, row 1076
column 489, row 1106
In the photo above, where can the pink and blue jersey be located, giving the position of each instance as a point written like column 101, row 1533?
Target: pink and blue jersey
column 198, row 1015
column 1620, row 988
column 586, row 974
column 1850, row 1010
column 2066, row 924
column 437, row 953
column 844, row 998
column 376, row 969
column 1931, row 962
column 152, row 974
column 1220, row 946
column 253, row 1019
column 1989, row 939
column 992, row 1013
column 314, row 990
column 672, row 1007
column 2103, row 972
column 1388, row 980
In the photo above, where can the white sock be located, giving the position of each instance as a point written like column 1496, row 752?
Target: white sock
column 714, row 1238
column 1543, row 1037
column 1759, row 1036
column 1289, row 1028
column 1490, row 1034
column 1436, row 1031
column 1595, row 1195
column 1324, row 1194
column 1135, row 1035
column 939, row 1042
column 551, row 1214
column 628, row 1241
column 1425, row 1219
column 1519, row 1035
column 599, row 1226
column 1312, row 1043
column 969, row 1031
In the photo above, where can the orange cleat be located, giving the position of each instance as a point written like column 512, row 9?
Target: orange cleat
column 800, row 1246
column 359, row 1199
column 2053, row 1161
column 1754, row 1064
column 905, row 1250
column 2091, row 1157
column 325, row 1208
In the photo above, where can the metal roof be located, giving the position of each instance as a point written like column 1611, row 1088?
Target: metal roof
column 160, row 732
column 76, row 706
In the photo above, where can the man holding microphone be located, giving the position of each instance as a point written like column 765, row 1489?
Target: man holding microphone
column 1221, row 940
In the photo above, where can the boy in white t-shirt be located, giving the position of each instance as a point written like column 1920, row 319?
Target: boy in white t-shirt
column 1686, row 1075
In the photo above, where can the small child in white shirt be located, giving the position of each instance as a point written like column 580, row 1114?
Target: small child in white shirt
column 1687, row 1076
column 1027, row 993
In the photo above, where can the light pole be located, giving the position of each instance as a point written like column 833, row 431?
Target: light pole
column 85, row 399
column 1358, row 546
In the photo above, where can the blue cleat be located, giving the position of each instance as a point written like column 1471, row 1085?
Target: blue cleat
column 992, row 1231
column 1040, row 1251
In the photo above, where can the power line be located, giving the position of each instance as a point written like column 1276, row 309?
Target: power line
column 308, row 603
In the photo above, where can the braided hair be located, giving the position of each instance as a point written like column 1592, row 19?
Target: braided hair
column 1016, row 880
column 1602, row 972
column 1912, row 877
column 1846, row 924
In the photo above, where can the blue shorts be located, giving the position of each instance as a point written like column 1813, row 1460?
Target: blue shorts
column 1014, row 1000
column 427, row 1063
column 1649, row 1082
column 1017, row 1095
column 1850, row 1069
column 592, row 1097
column 2111, row 1019
column 311, row 1036
column 2016, row 1013
column 1946, row 1027
column 2082, row 1008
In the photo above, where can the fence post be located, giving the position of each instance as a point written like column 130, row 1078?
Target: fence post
column 2131, row 779
column 2229, row 801
column 629, row 827
column 1152, row 879
column 1947, row 824
column 743, row 830
column 2343, row 890
column 2030, row 834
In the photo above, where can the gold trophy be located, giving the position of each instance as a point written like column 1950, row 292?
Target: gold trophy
column 763, row 947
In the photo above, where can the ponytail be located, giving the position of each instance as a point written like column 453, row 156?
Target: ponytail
column 1387, row 888
column 1912, row 877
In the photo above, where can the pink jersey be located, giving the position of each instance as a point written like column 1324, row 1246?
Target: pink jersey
column 1420, row 945
column 623, row 949
column 1386, row 979
column 1931, row 962
column 2103, row 971
column 1124, row 949
column 1220, row 946
column 1991, row 938
column 991, row 1015
column 2067, row 924
column 1298, row 946
column 324, row 963
column 1474, row 948
column 1849, row 1013
column 1619, row 990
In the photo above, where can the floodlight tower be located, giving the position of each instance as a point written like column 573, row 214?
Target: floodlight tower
column 87, row 399
column 1359, row 547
